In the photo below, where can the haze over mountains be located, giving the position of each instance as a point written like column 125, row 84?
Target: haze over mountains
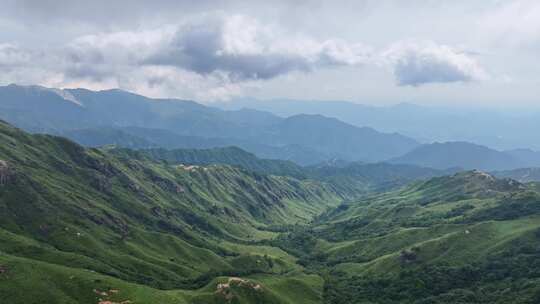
column 503, row 129
column 173, row 201
column 116, row 117
column 80, row 113
column 115, row 225
column 468, row 156
column 269, row 152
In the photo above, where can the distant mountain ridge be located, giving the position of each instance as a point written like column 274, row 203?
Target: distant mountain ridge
column 352, row 177
column 523, row 175
column 503, row 130
column 67, row 112
column 467, row 156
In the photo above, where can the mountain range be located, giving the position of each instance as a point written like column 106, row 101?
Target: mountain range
column 468, row 156
column 123, row 119
column 115, row 116
column 503, row 129
column 109, row 225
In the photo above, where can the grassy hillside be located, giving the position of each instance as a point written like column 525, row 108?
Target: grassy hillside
column 358, row 178
column 466, row 238
column 228, row 155
column 76, row 213
column 98, row 226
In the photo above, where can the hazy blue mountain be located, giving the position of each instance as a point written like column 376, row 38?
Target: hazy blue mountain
column 459, row 154
column 88, row 117
column 523, row 175
column 503, row 130
column 333, row 137
column 98, row 137
column 528, row 157
column 144, row 138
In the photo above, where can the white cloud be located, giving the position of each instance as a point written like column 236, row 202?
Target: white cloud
column 216, row 56
column 418, row 63
column 513, row 22
column 244, row 49
column 209, row 57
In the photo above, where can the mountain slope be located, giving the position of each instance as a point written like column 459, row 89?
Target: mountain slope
column 373, row 177
column 93, row 225
column 67, row 210
column 446, row 240
column 228, row 156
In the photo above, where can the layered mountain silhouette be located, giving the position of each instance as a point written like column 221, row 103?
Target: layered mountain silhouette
column 489, row 127
column 467, row 156
column 119, row 117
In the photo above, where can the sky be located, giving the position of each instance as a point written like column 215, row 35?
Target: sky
column 481, row 53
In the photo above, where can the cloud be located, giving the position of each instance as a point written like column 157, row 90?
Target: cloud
column 416, row 64
column 513, row 22
column 244, row 49
column 216, row 56
column 221, row 53
column 12, row 56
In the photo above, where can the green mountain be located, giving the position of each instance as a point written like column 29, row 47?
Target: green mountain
column 348, row 177
column 466, row 238
column 118, row 226
column 228, row 155
column 372, row 177
column 79, row 225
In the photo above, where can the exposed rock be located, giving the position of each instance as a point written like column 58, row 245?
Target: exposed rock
column 103, row 167
column 7, row 175
column 408, row 256
column 224, row 289
column 101, row 183
column 169, row 186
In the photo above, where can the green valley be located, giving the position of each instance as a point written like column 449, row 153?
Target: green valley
column 89, row 225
